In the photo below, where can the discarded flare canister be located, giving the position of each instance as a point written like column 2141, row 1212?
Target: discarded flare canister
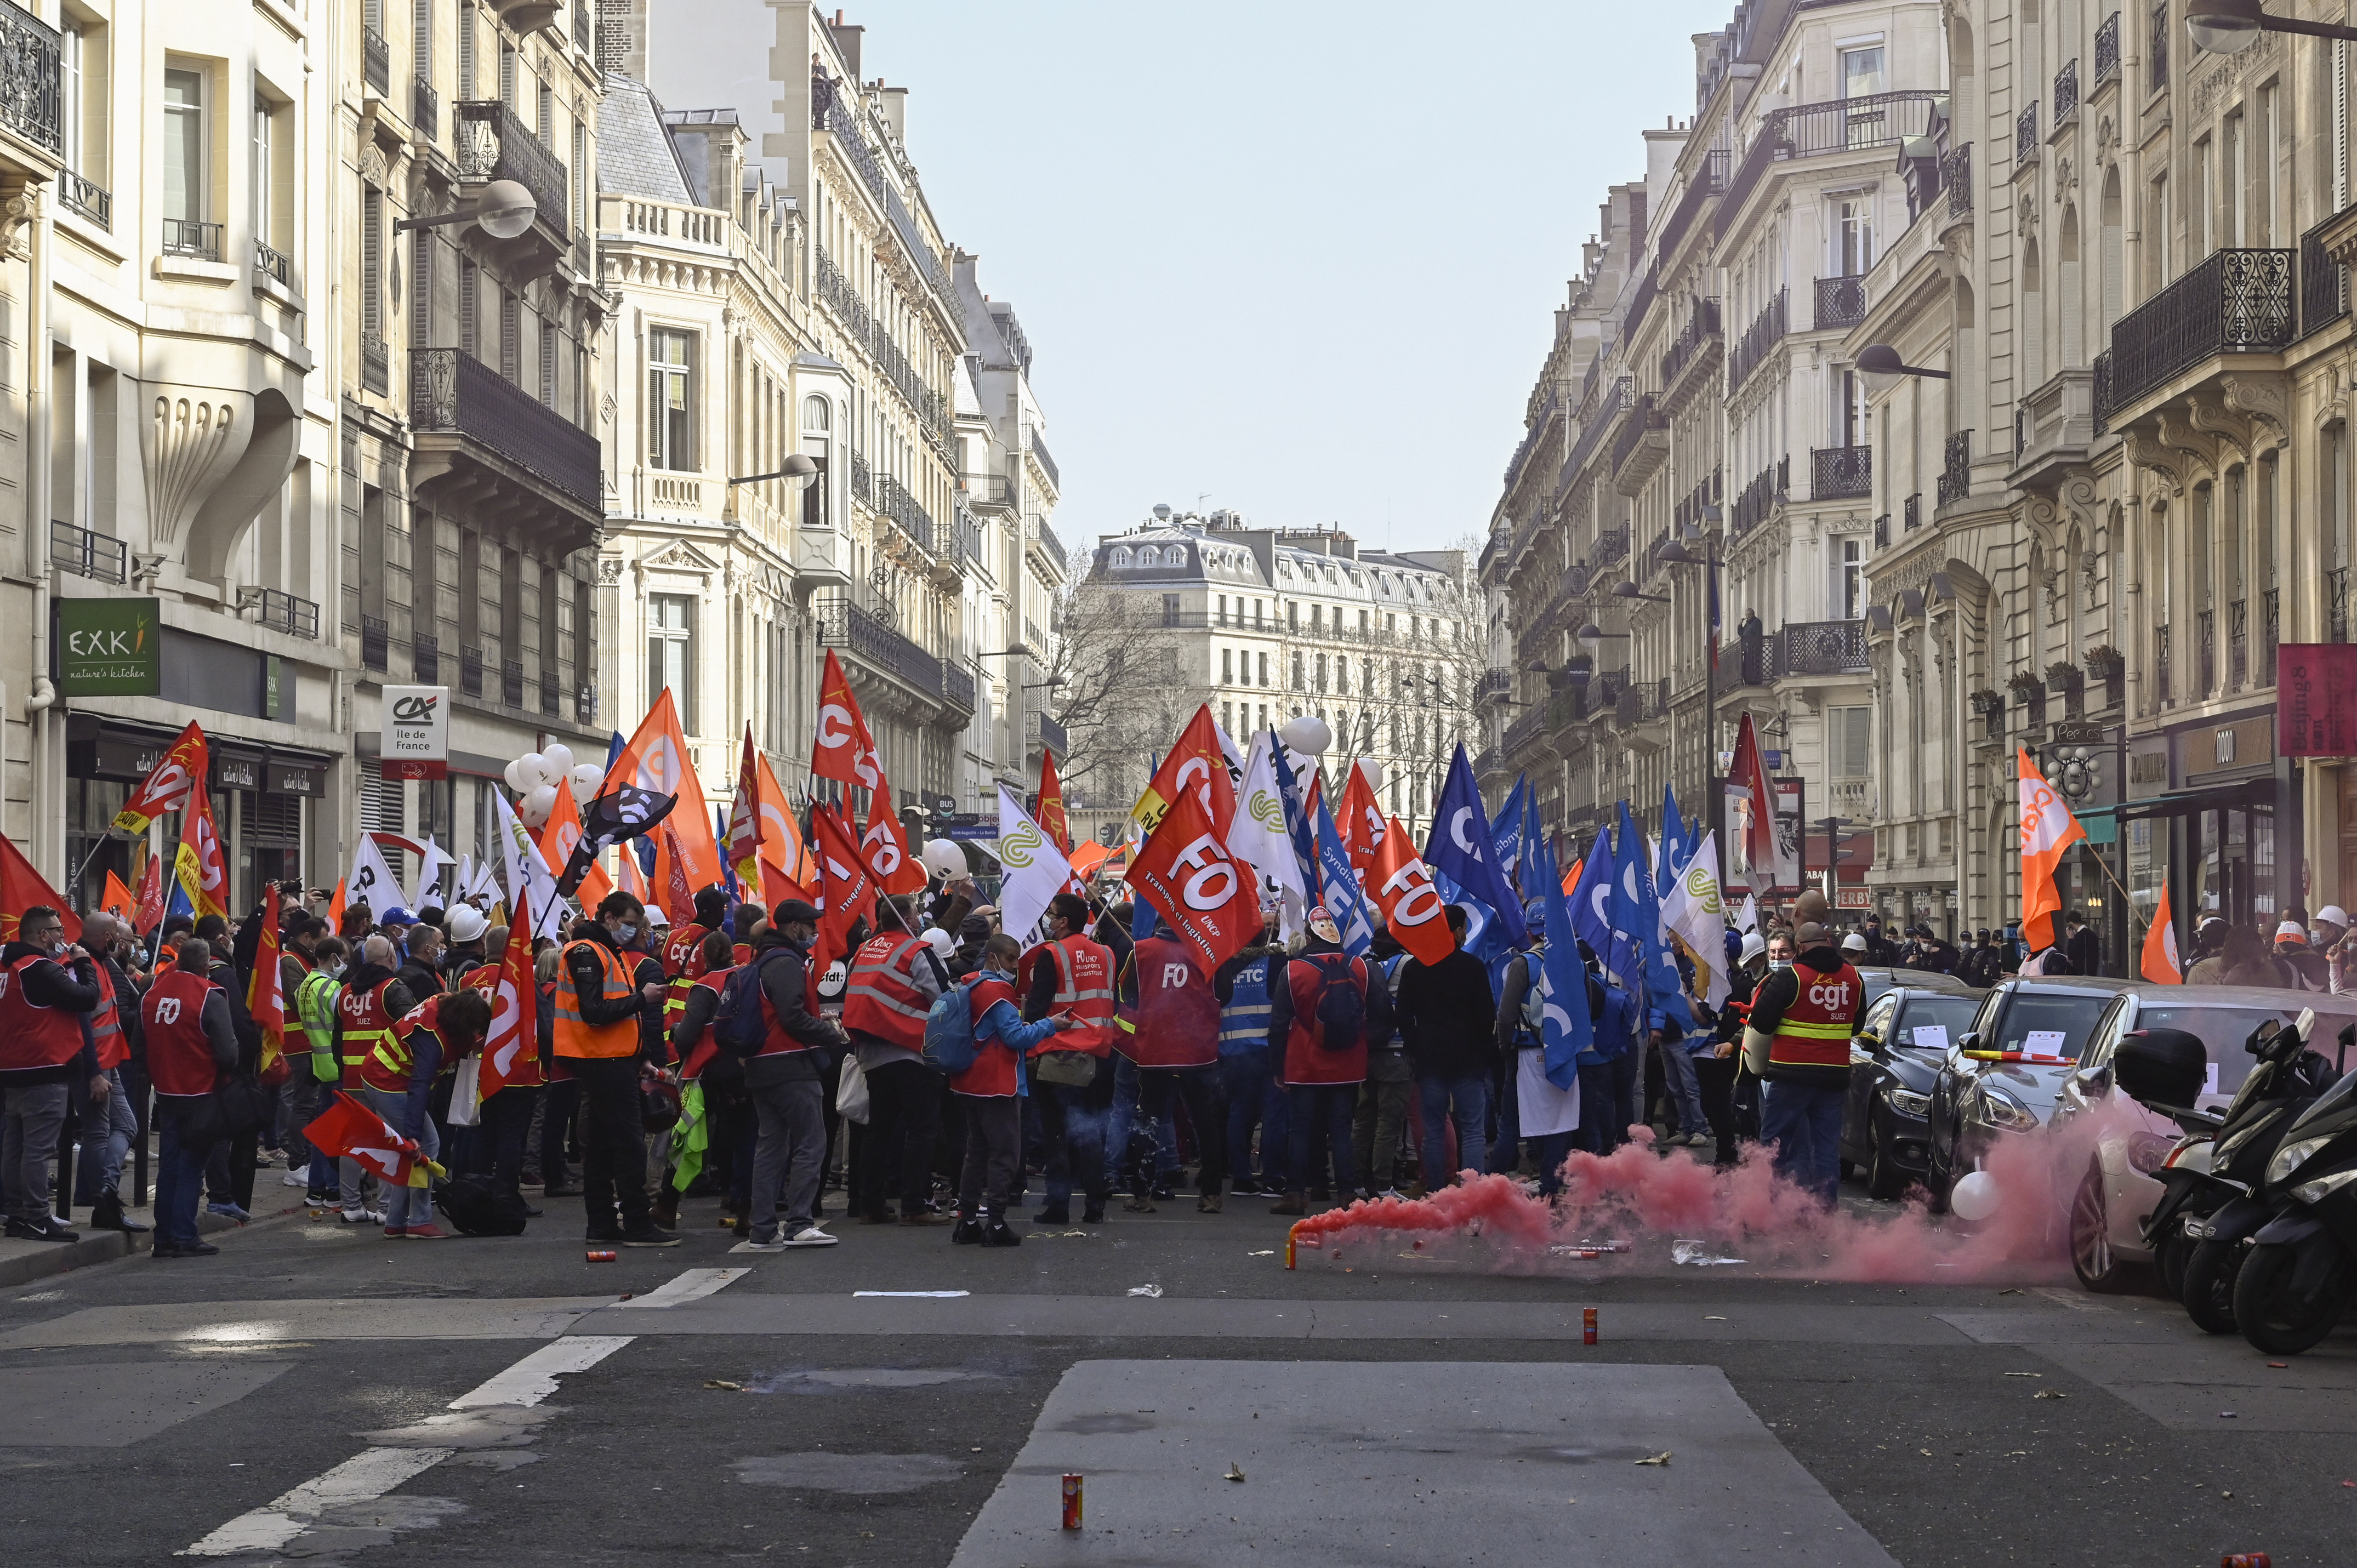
column 2245, row 1559
column 603, row 1257
column 1587, row 1326
column 1071, row 1501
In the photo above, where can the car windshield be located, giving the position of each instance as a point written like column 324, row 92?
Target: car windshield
column 2032, row 1013
column 1954, row 1014
column 2223, row 1030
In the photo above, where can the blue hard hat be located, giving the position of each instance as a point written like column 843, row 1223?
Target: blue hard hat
column 1534, row 914
column 396, row 916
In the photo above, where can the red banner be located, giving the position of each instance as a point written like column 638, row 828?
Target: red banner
column 1360, row 821
column 844, row 750
column 513, row 1037
column 1185, row 872
column 22, row 888
column 347, row 1129
column 744, row 822
column 848, row 886
column 1197, row 764
column 149, row 913
column 266, row 994
column 886, row 845
column 671, row 878
column 2316, row 699
column 1051, row 814
column 199, row 862
column 166, row 786
column 1411, row 904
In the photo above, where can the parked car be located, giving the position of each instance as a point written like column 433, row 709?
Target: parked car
column 1881, row 978
column 1902, row 1038
column 2043, row 1022
column 2118, row 1191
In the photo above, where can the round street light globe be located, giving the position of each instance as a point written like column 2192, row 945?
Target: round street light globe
column 799, row 471
column 2224, row 26
column 505, row 209
column 1309, row 734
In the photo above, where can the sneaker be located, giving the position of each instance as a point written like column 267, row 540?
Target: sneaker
column 295, row 1178
column 315, row 1200
column 1092, row 1215
column 1140, row 1204
column 229, row 1211
column 49, row 1229
column 185, row 1250
column 396, row 1233
column 1162, row 1192
column 998, row 1235
column 427, row 1233
column 649, row 1236
column 967, row 1233
column 1291, row 1203
column 362, row 1217
column 774, row 1244
column 811, row 1236
column 1391, row 1192
column 1210, row 1203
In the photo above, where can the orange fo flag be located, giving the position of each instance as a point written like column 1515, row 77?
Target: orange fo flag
column 657, row 758
column 1412, row 906
column 2160, row 965
column 265, row 993
column 1199, row 763
column 1184, row 871
column 512, row 1042
column 199, row 862
column 22, row 888
column 557, row 837
column 2047, row 830
column 783, row 849
column 1051, row 815
column 117, row 901
column 844, row 750
column 886, row 845
column 1360, row 824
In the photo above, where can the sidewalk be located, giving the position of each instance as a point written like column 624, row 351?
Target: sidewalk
column 23, row 1262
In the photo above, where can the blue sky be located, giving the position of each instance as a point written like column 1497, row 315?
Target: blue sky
column 1298, row 259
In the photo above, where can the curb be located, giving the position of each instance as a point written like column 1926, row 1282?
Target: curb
column 107, row 1247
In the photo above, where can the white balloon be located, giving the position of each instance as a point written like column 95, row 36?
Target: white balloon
column 536, row 806
column 1373, row 770
column 532, row 769
column 1307, row 734
column 943, row 857
column 513, row 774
column 585, row 780
column 1974, row 1196
column 559, row 759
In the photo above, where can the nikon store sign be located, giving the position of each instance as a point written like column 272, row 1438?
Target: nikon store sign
column 109, row 648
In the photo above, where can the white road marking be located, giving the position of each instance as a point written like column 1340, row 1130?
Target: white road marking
column 373, row 1472
column 693, row 1285
column 2077, row 1301
column 927, row 1294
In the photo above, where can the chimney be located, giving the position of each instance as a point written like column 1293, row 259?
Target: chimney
column 622, row 37
column 893, row 103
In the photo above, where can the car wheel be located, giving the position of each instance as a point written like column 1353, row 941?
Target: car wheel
column 2208, row 1289
column 1884, row 1177
column 1937, row 1181
column 2092, row 1259
column 2275, row 1316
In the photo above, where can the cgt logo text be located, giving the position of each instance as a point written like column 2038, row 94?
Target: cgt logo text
column 1834, row 998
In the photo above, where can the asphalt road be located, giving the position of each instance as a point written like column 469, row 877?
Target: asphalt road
column 293, row 1401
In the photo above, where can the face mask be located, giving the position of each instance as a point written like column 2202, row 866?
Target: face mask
column 1775, row 964
column 334, row 971
column 627, row 935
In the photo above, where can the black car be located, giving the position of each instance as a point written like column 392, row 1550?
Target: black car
column 1902, row 1038
column 1975, row 1100
column 1881, row 978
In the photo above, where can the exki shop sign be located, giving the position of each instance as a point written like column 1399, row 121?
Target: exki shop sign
column 110, row 648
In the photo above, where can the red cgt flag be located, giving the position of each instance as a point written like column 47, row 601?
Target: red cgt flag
column 745, row 820
column 22, row 887
column 1197, row 764
column 148, row 911
column 513, row 1037
column 1051, row 815
column 844, row 751
column 1185, row 872
column 886, row 845
column 166, row 786
column 671, row 878
column 348, row 1130
column 1411, row 904
column 265, row 993
column 849, row 887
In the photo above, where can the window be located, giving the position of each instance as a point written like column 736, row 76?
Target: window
column 371, row 262
column 1317, row 617
column 670, row 652
column 469, row 281
column 1861, row 71
column 1854, row 236
column 421, row 40
column 187, row 166
column 1848, row 733
column 1263, row 673
column 545, row 116
column 421, row 290
column 508, row 74
column 1148, row 556
column 1227, row 667
column 1300, row 678
column 576, row 178
column 2232, row 190
column 670, row 428
column 1223, row 609
column 1228, row 717
column 512, row 338
column 467, row 49
column 548, row 361
column 816, row 441
column 1170, row 609
column 1853, row 570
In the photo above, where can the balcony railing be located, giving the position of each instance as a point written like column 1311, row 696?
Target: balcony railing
column 425, row 659
column 511, row 682
column 1757, row 500
column 271, row 263
column 2155, row 74
column 1709, row 179
column 1845, row 124
column 2066, row 92
column 1047, row 464
column 88, row 198
column 1766, row 331
column 1956, row 470
column 1841, row 302
column 87, row 554
column 2270, row 633
column 425, row 109
column 1525, row 732
column 1912, row 512
column 2238, row 645
column 376, row 363
column 31, row 98
column 2323, row 282
column 290, row 613
column 186, row 237
column 838, row 120
column 1643, row 422
column 1841, row 473
column 1820, row 647
column 471, row 671
column 375, row 643
column 862, row 481
column 1700, row 328
column 2163, row 688
column 2107, row 50
column 2025, row 134
column 873, row 640
column 493, row 144
column 1956, row 174
column 2231, row 302
column 452, row 390
column 2335, row 604
column 1882, row 532
column 376, row 61
column 550, row 693
column 957, row 685
column 2205, row 654
column 894, row 501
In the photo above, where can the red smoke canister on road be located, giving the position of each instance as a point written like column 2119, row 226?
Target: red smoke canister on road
column 2245, row 1559
column 1587, row 1326
column 603, row 1257
column 1071, row 1501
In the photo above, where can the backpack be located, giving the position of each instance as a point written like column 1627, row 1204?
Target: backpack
column 475, row 1206
column 1340, row 1010
column 949, row 1030
column 737, row 1023
column 1534, row 1003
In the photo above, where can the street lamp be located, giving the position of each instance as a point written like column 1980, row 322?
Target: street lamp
column 1880, row 365
column 504, row 210
column 2229, row 27
column 798, row 472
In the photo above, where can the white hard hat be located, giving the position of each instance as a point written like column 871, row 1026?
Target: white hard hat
column 1754, row 944
column 466, row 923
column 1854, row 942
column 938, row 940
column 2332, row 915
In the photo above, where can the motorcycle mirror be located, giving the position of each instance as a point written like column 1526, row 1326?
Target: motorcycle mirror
column 2260, row 1036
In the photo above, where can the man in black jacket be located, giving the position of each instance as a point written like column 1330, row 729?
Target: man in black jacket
column 105, row 1126
column 46, row 975
column 788, row 1085
column 613, row 1135
column 1797, row 1040
column 1447, row 1016
column 229, row 1172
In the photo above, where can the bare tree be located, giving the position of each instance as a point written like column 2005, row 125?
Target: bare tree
column 1123, row 696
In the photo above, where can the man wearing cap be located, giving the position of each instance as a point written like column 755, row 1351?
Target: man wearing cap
column 2310, row 970
column 788, row 1086
column 1798, row 1042
column 894, row 977
column 608, row 990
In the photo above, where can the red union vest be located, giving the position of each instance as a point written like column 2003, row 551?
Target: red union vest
column 32, row 1035
column 106, row 1026
column 1177, row 1011
column 179, row 1059
column 994, row 1073
column 1307, row 1059
column 882, row 999
column 682, row 962
column 1084, row 989
column 368, row 1023
column 1815, row 1029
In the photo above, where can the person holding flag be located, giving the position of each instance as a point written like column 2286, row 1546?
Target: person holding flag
column 397, row 1081
column 191, row 1046
column 1323, row 1007
column 610, row 997
column 48, row 989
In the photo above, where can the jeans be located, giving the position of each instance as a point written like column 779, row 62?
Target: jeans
column 788, row 1158
column 1121, row 1127
column 1803, row 1121
column 1320, row 1115
column 1072, row 1119
column 1206, row 1112
column 180, row 1177
column 905, row 1109
column 558, row 1102
column 1678, row 1077
column 105, row 1132
column 1375, row 1121
column 406, row 1206
column 1715, row 1077
column 1596, row 1090
column 300, row 1100
column 1628, row 1080
column 613, row 1143
column 497, row 1148
column 1255, row 1097
column 994, row 1144
column 36, row 1116
column 1464, row 1100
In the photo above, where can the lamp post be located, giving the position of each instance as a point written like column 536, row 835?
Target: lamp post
column 2229, row 27
column 1681, row 553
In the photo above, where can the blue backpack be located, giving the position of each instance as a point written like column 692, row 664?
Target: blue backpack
column 737, row 1023
column 949, row 1030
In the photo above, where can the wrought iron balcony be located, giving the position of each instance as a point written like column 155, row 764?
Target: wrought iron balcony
column 88, row 198
column 2066, row 92
column 1709, row 179
column 1956, row 174
column 87, row 554
column 1530, row 440
column 1912, row 512
column 1525, row 732
column 1845, row 124
column 1882, row 532
column 1841, row 473
column 957, row 685
column 893, row 500
column 1841, row 302
column 1757, row 500
column 471, row 671
column 1610, row 549
column 2024, row 132
column 1956, row 469
column 451, row 389
column 2270, row 635
column 376, row 61
column 2336, row 603
column 2163, row 688
column 550, row 693
column 1700, row 328
column 2156, row 71
column 1046, row 733
column 425, row 106
column 1643, row 422
column 2238, row 645
column 290, row 613
column 493, row 144
column 1766, row 331
column 1047, row 464
column 862, row 480
column 31, row 94
column 186, row 237
column 425, row 659
column 875, row 642
column 375, row 642
column 270, row 264
column 1820, row 647
column 376, row 363
column 2323, row 282
column 2107, row 50
column 2205, row 653
column 511, row 682
column 2230, row 302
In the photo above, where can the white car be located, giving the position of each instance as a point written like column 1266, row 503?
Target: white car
column 2112, row 1200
